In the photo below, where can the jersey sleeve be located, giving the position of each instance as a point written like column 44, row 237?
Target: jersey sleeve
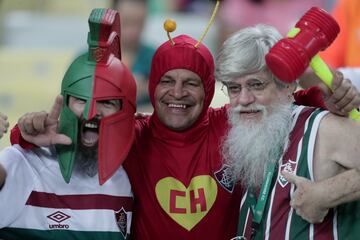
column 19, row 183
column 16, row 138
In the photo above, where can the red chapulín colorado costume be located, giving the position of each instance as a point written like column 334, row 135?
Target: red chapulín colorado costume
column 182, row 190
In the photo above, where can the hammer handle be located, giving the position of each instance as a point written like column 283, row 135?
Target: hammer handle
column 323, row 72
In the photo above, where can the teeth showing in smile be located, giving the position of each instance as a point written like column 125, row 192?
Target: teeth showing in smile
column 173, row 105
column 91, row 125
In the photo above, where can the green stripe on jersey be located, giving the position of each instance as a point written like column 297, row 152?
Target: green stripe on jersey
column 299, row 227
column 348, row 221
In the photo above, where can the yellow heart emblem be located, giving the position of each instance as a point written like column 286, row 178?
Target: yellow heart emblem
column 187, row 206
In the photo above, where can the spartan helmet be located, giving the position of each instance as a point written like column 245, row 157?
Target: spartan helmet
column 99, row 75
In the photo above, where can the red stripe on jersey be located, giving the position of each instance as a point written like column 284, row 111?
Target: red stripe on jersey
column 281, row 207
column 321, row 231
column 79, row 202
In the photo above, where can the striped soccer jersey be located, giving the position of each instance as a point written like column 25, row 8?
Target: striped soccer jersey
column 279, row 220
column 36, row 202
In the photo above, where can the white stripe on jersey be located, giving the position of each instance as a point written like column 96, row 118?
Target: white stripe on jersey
column 38, row 170
column 95, row 220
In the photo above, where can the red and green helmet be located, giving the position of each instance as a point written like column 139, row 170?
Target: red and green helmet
column 94, row 76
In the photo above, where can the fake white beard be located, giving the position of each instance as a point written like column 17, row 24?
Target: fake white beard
column 249, row 145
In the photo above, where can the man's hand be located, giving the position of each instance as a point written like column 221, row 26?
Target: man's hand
column 307, row 199
column 40, row 128
column 4, row 124
column 343, row 97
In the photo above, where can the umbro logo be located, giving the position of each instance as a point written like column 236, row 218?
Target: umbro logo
column 58, row 217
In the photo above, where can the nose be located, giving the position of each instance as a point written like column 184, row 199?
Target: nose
column 178, row 90
column 99, row 111
column 245, row 97
column 94, row 109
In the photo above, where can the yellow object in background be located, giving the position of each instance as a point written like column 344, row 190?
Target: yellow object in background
column 30, row 81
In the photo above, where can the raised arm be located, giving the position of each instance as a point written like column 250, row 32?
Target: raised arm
column 343, row 97
column 341, row 101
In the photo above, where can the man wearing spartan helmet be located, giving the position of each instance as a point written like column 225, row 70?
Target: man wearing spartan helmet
column 53, row 192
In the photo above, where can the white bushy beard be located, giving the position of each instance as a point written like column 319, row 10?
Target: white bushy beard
column 249, row 145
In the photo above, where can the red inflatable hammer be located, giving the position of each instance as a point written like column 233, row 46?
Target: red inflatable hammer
column 289, row 57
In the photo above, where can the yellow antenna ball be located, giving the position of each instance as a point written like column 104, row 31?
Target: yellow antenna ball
column 170, row 25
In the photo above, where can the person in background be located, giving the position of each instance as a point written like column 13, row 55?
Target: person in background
column 282, row 14
column 192, row 6
column 343, row 52
column 4, row 124
column 135, row 53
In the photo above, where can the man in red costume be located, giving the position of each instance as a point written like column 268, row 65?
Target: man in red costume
column 189, row 192
column 182, row 188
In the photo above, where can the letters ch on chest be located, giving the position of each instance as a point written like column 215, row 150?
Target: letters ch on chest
column 187, row 205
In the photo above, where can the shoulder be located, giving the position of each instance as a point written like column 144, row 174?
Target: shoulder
column 35, row 159
column 336, row 146
column 142, row 127
column 13, row 155
column 308, row 115
column 332, row 124
column 218, row 120
column 142, row 122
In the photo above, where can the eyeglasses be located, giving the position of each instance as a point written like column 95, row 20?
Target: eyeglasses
column 232, row 90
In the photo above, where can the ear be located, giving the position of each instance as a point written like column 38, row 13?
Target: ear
column 289, row 90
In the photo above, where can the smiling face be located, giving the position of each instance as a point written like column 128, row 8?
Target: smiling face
column 260, row 116
column 89, row 132
column 179, row 99
column 254, row 94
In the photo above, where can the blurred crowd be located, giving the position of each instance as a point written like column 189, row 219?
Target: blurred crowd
column 237, row 14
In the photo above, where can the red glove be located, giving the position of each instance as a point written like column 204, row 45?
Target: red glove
column 311, row 97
